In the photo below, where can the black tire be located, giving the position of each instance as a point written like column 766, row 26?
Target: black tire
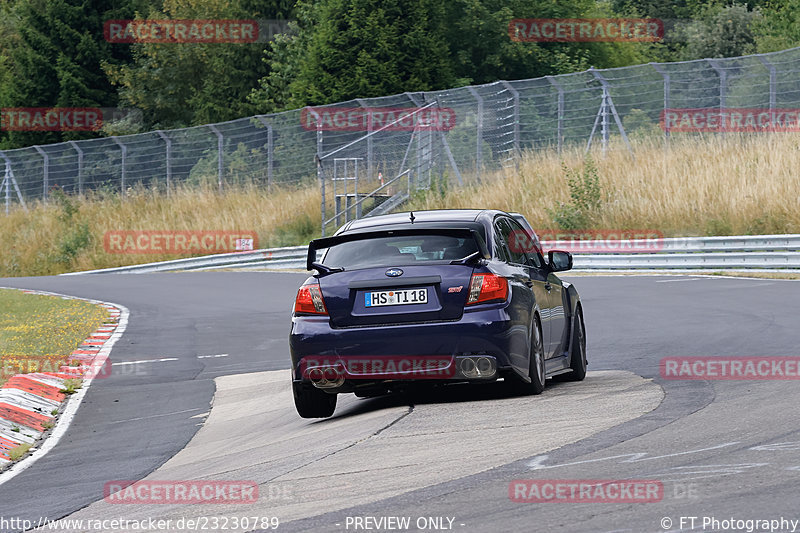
column 577, row 349
column 536, row 369
column 311, row 402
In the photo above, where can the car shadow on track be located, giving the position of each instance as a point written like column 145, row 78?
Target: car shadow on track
column 434, row 394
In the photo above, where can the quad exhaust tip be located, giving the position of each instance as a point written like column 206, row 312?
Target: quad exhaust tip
column 477, row 366
column 326, row 377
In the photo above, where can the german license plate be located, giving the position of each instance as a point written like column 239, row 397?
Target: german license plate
column 396, row 297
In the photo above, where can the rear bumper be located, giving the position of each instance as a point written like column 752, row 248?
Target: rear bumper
column 486, row 331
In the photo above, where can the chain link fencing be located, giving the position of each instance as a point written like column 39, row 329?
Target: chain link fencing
column 368, row 154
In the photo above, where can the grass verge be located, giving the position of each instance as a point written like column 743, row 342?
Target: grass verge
column 66, row 234
column 38, row 332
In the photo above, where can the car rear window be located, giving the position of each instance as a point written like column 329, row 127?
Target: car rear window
column 398, row 250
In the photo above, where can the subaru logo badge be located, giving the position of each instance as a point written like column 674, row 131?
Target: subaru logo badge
column 394, row 272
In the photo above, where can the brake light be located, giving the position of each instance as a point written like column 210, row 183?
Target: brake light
column 309, row 300
column 487, row 288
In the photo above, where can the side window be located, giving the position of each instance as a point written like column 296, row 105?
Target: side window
column 500, row 250
column 525, row 242
column 508, row 230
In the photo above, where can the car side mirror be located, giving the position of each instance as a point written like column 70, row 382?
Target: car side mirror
column 559, row 261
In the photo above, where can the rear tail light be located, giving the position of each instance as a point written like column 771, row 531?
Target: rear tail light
column 487, row 288
column 309, row 300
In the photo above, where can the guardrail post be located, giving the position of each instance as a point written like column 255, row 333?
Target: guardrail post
column 479, row 133
column 560, row 112
column 515, row 94
column 45, row 172
column 80, row 165
column 124, row 150
column 220, row 150
column 167, row 157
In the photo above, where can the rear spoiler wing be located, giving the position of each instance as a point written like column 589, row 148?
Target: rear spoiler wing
column 327, row 242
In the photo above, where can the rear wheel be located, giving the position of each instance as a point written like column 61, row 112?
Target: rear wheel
column 577, row 350
column 536, row 364
column 311, row 402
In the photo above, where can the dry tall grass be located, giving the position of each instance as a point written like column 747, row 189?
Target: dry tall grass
column 714, row 186
column 46, row 240
column 719, row 185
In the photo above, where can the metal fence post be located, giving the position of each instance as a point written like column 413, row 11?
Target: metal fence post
column 772, row 80
column 665, row 75
column 369, row 137
column 167, row 156
column 560, row 111
column 124, row 150
column 7, row 185
column 80, row 165
column 723, row 90
column 447, row 151
column 417, row 176
column 268, row 127
column 10, row 180
column 479, row 133
column 45, row 171
column 318, row 159
column 608, row 105
column 515, row 94
column 220, row 149
column 270, row 156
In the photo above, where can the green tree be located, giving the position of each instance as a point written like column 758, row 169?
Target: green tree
column 184, row 84
column 283, row 56
column 720, row 32
column 483, row 51
column 9, row 38
column 361, row 48
column 779, row 26
column 55, row 61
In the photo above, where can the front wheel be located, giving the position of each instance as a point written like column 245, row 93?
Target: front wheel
column 311, row 402
column 577, row 350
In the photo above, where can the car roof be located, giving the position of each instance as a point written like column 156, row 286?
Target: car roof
column 420, row 217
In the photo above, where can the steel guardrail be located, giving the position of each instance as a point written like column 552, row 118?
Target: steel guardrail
column 681, row 253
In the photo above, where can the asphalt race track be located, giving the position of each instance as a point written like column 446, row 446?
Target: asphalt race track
column 721, row 449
